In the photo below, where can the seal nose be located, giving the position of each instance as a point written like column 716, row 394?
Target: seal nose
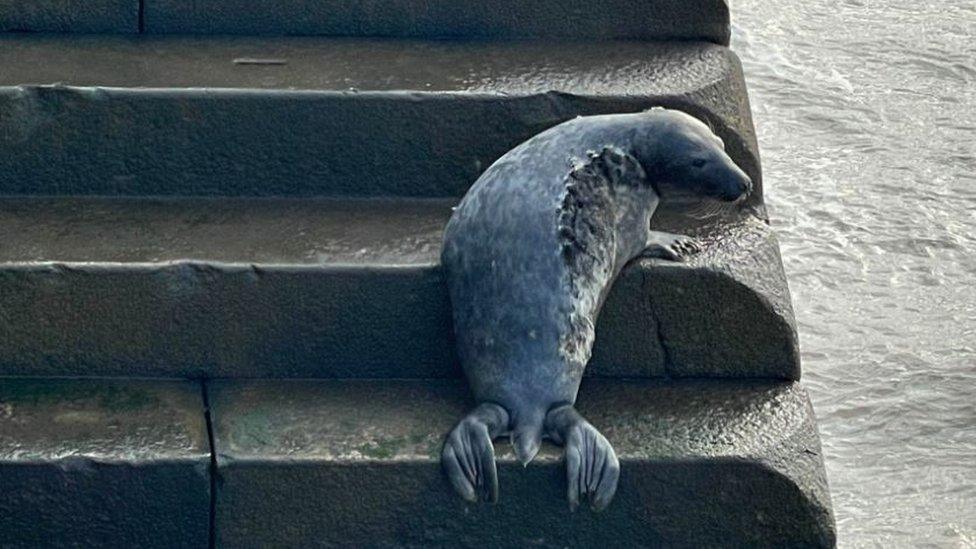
column 745, row 186
column 737, row 189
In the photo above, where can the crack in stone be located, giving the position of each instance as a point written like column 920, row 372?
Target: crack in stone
column 659, row 332
column 208, row 417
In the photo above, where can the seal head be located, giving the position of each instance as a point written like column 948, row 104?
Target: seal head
column 686, row 158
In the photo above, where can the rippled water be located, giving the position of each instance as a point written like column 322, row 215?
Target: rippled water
column 866, row 113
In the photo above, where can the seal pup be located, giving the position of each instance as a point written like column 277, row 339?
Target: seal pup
column 530, row 255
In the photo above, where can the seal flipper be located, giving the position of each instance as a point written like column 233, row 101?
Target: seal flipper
column 674, row 247
column 468, row 456
column 592, row 468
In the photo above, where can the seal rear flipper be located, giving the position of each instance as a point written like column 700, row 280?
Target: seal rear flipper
column 468, row 456
column 592, row 468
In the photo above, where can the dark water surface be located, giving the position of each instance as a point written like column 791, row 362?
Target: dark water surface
column 866, row 113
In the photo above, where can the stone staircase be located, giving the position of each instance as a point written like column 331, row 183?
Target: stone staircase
column 222, row 316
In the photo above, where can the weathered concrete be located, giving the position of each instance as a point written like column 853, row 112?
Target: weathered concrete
column 178, row 116
column 103, row 464
column 600, row 19
column 727, row 310
column 342, row 464
column 105, row 16
column 336, row 288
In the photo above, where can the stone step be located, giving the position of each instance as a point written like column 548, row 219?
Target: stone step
column 600, row 19
column 94, row 16
column 103, row 115
column 126, row 463
column 217, row 287
column 704, row 464
column 87, row 463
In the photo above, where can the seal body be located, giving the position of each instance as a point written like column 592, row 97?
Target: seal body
column 530, row 255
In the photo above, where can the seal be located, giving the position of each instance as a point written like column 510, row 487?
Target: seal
column 531, row 253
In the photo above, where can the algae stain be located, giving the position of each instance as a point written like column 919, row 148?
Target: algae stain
column 33, row 393
column 116, row 399
column 112, row 398
column 394, row 446
column 384, row 449
column 254, row 426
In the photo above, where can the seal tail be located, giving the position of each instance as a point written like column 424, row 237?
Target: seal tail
column 527, row 436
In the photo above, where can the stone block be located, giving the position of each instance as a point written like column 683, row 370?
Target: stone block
column 572, row 19
column 346, row 463
column 337, row 289
column 99, row 463
column 300, row 116
column 82, row 16
column 727, row 311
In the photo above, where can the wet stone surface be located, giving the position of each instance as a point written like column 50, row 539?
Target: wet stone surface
column 103, row 463
column 343, row 463
column 726, row 311
column 337, row 117
column 337, row 288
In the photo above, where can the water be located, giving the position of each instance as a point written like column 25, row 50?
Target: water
column 866, row 113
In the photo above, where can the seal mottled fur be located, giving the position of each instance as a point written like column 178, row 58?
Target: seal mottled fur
column 530, row 255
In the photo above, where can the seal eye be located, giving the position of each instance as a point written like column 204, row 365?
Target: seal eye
column 698, row 162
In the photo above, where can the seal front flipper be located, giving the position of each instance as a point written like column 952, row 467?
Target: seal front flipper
column 592, row 468
column 468, row 456
column 669, row 246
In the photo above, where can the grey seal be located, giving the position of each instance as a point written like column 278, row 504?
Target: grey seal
column 530, row 254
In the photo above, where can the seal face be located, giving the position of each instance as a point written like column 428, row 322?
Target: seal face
column 530, row 255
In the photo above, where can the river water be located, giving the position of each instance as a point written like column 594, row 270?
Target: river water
column 866, row 114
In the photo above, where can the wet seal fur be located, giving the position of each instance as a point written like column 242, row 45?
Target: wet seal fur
column 531, row 253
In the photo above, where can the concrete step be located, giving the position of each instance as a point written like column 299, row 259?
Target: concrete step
column 337, row 464
column 101, row 115
column 86, row 463
column 218, row 287
column 125, row 463
column 601, row 19
column 95, row 16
